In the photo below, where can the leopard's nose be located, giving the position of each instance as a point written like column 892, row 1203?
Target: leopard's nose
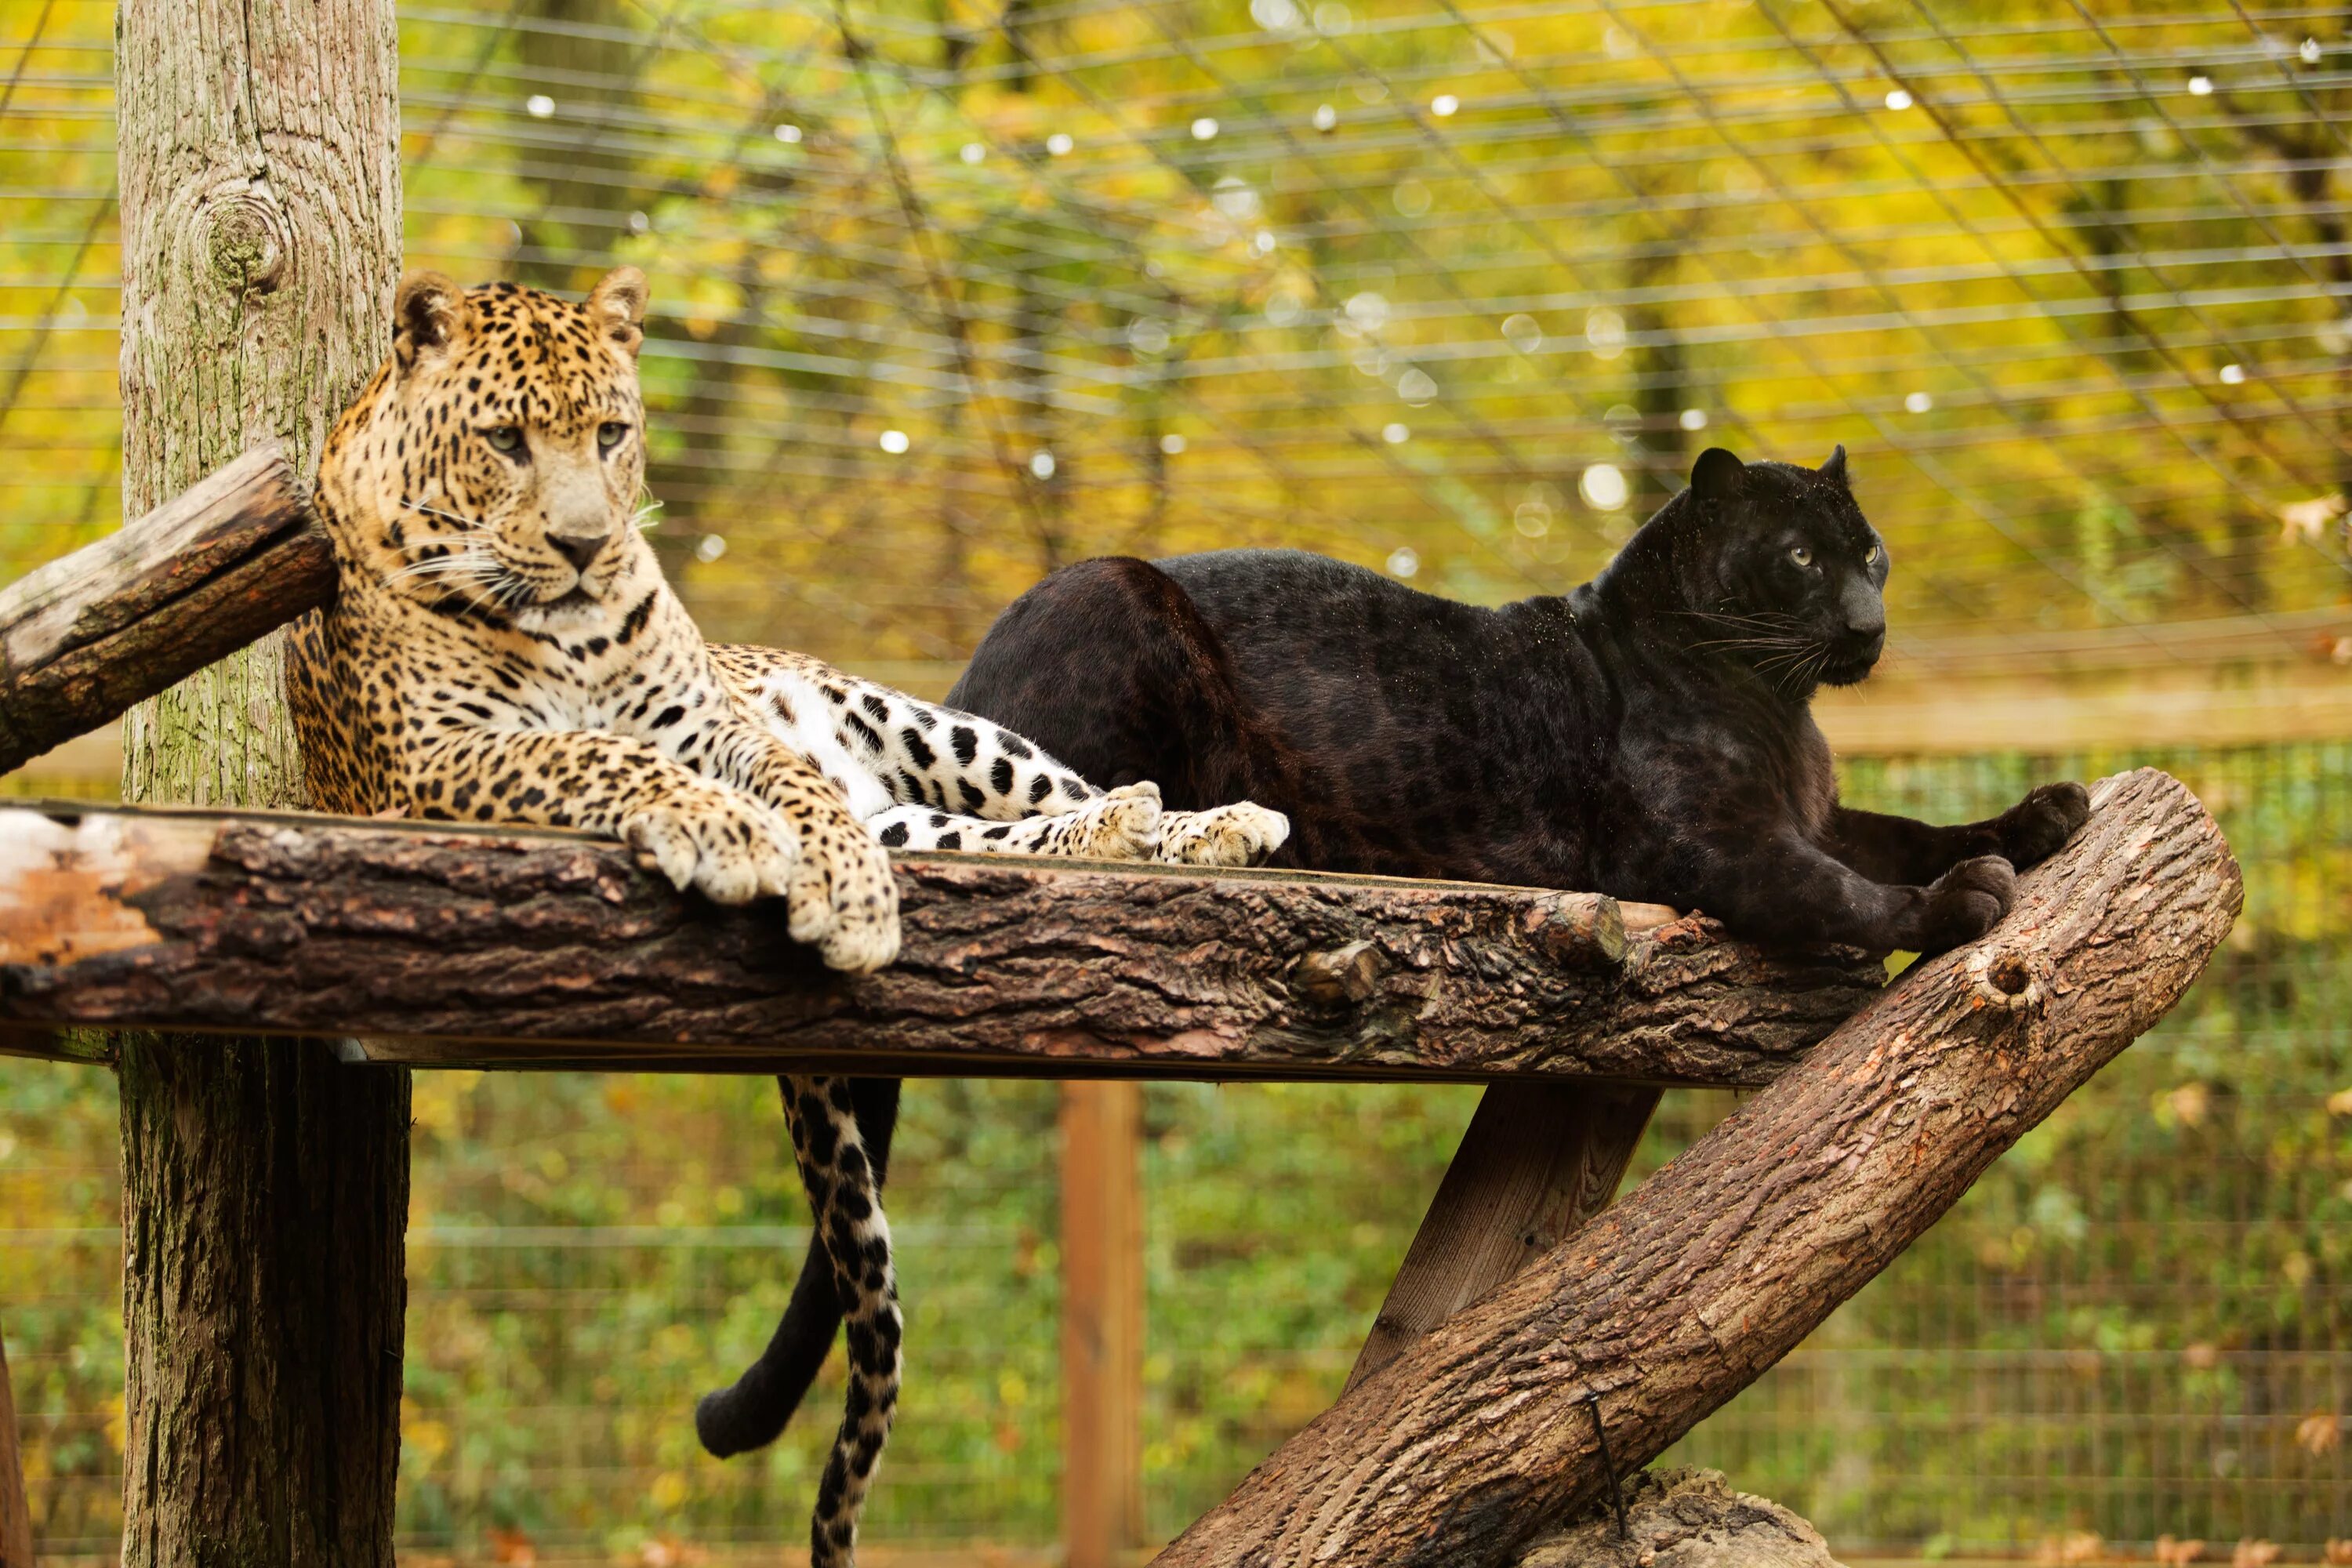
column 579, row 549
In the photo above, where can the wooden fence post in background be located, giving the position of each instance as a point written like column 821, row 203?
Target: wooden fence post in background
column 1102, row 1322
column 266, row 1185
column 16, row 1517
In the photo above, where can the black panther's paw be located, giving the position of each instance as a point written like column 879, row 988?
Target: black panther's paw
column 1965, row 901
column 2038, row 826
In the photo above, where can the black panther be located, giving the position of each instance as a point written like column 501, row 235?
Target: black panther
column 1647, row 735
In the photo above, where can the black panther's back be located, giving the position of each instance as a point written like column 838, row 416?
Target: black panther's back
column 1401, row 732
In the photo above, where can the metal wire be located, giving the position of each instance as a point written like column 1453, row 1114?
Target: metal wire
column 1737, row 230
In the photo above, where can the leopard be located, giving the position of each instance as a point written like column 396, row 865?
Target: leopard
column 502, row 646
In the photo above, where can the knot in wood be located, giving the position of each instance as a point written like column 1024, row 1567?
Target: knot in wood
column 1578, row 931
column 2005, row 979
column 247, row 239
column 1340, row 977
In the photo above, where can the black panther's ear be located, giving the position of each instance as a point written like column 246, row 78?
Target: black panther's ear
column 426, row 316
column 1717, row 476
column 1834, row 469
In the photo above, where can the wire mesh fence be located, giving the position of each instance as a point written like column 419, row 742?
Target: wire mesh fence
column 2138, row 1324
column 948, row 294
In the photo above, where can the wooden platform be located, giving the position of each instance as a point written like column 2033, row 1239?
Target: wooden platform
column 438, row 945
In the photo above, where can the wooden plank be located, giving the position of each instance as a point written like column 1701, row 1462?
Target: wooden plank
column 1537, row 1161
column 86, row 635
column 1902, row 714
column 505, row 947
column 16, row 1512
column 1491, row 1426
column 1102, row 1322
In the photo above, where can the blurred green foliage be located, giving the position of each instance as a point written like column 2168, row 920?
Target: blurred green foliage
column 1385, row 279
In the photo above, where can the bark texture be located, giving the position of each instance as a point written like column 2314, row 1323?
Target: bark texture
column 531, row 947
column 1682, row 1519
column 1666, row 1305
column 267, row 1186
column 195, row 579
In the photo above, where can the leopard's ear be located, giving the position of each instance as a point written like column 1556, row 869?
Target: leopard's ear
column 617, row 307
column 1717, row 476
column 1834, row 469
column 428, row 315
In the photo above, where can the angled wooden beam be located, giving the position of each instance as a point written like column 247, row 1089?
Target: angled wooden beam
column 448, row 945
column 1487, row 1429
column 1537, row 1161
column 87, row 635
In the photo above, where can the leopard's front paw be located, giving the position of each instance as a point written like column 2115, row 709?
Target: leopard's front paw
column 1119, row 824
column 1242, row 833
column 843, row 897
column 726, row 846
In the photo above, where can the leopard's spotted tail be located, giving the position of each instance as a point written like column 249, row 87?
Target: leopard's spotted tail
column 844, row 1197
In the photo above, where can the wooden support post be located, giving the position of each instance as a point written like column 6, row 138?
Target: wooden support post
column 1489, row 1427
column 266, row 1185
column 1537, row 1161
column 1102, row 1322
column 16, row 1513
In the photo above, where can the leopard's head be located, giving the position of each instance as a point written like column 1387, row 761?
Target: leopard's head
column 498, row 455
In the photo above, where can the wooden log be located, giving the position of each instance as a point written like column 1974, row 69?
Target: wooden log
column 86, row 635
column 16, row 1513
column 505, row 947
column 1537, row 1161
column 1479, row 1433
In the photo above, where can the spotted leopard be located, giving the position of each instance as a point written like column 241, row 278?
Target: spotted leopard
column 503, row 649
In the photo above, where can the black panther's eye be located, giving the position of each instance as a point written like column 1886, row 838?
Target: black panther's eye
column 610, row 434
column 507, row 439
column 1802, row 556
column 1870, row 557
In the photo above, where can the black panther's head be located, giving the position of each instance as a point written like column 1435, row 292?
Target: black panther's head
column 1778, row 568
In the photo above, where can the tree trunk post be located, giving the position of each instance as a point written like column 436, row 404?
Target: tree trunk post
column 265, row 1186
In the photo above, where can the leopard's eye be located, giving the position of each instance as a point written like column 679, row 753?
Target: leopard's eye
column 610, row 434
column 1870, row 557
column 1802, row 556
column 505, row 438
